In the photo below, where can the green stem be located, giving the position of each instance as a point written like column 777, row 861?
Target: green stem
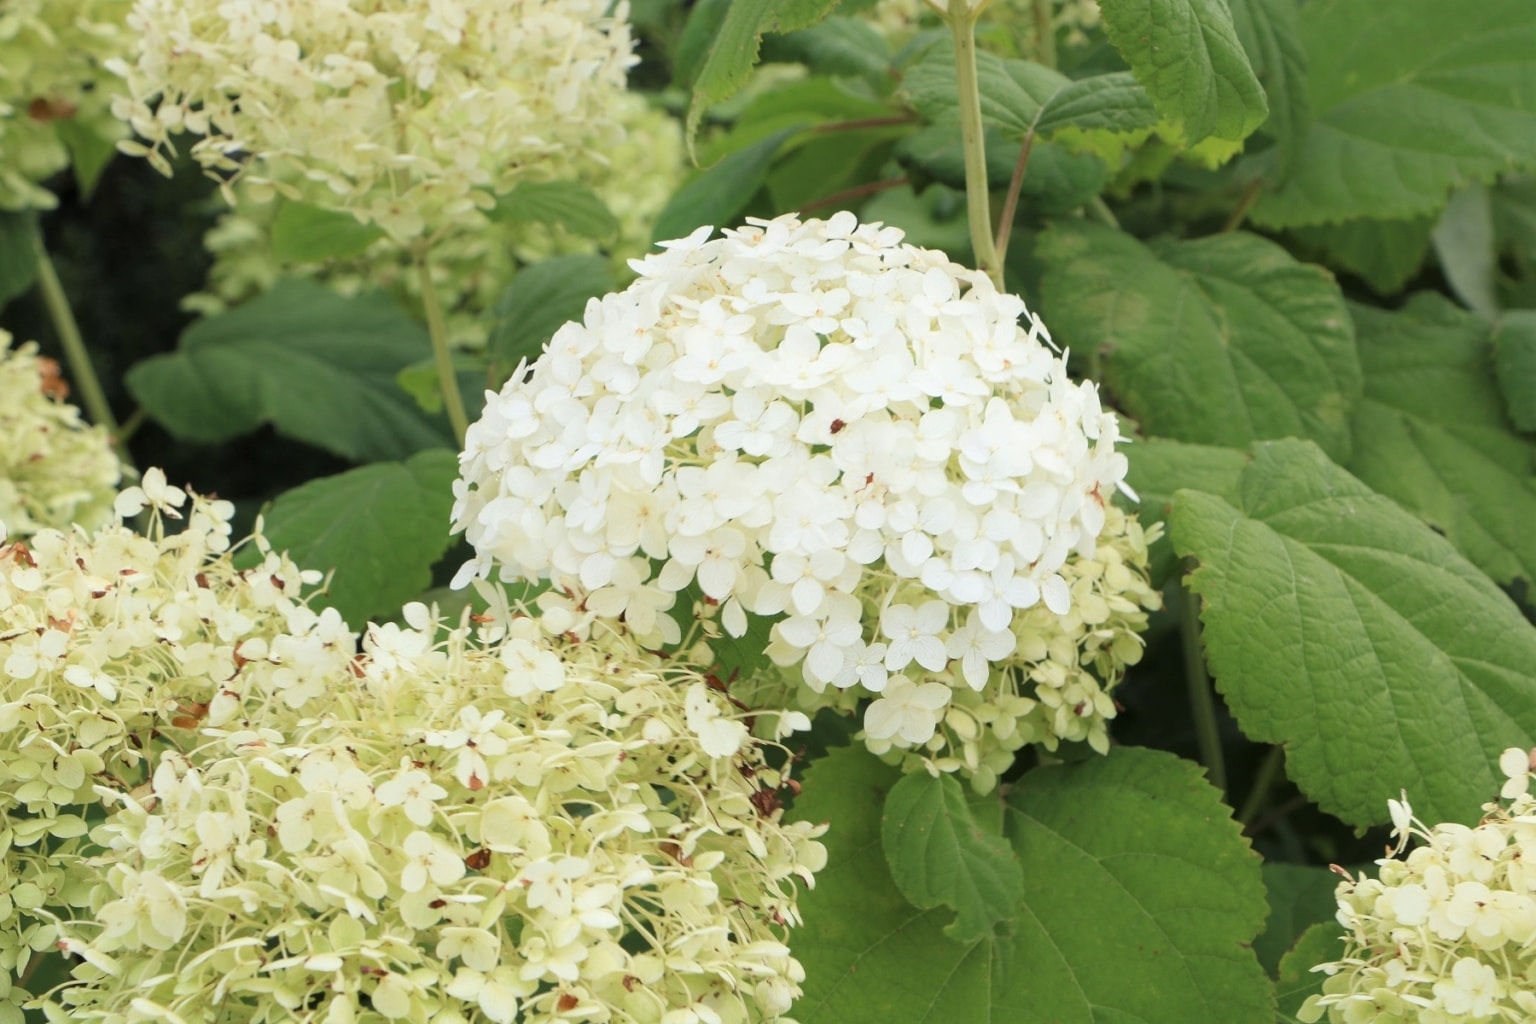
column 1045, row 33
column 68, row 330
column 1202, row 701
column 447, row 379
column 1263, row 782
column 132, row 424
column 1099, row 210
column 962, row 16
column 1240, row 214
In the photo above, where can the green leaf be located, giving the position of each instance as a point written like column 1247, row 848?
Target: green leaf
column 1019, row 94
column 380, row 527
column 1159, row 467
column 1223, row 340
column 827, row 164
column 18, row 254
column 837, row 46
column 1515, row 357
column 1385, row 253
column 568, row 204
column 733, row 49
column 1187, row 55
column 1056, row 181
column 1319, row 944
column 318, row 366
column 90, row 147
column 1271, row 36
column 1300, row 895
column 1432, row 434
column 540, row 298
column 302, row 233
column 716, row 196
column 419, row 380
column 940, row 856
column 1140, row 897
column 1339, row 625
column 1409, row 100
column 1465, row 247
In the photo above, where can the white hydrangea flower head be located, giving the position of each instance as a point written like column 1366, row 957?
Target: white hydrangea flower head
column 810, row 421
column 52, row 75
column 412, row 114
column 55, row 469
column 1447, row 933
column 113, row 643
column 525, row 829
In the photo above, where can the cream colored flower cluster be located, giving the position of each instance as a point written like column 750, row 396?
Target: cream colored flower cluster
column 54, row 87
column 1447, row 934
column 812, row 422
column 470, row 269
column 114, row 645
column 54, row 469
column 1056, row 686
column 519, row 830
column 412, row 114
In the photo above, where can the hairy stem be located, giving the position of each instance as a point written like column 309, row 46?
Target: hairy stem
column 961, row 16
column 1202, row 701
column 68, row 331
column 447, row 380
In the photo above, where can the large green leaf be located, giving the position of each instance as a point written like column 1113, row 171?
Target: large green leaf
column 1466, row 248
column 18, row 253
column 1140, row 899
column 1339, row 625
column 1223, row 340
column 1515, row 357
column 716, row 196
column 302, row 233
column 1056, row 181
column 1319, row 944
column 732, row 50
column 837, row 46
column 1187, row 55
column 1159, row 467
column 1409, row 99
column 940, row 856
column 381, row 528
column 318, row 366
column 569, row 204
column 1300, row 895
column 1385, row 253
column 539, row 299
column 1271, row 37
column 1432, row 433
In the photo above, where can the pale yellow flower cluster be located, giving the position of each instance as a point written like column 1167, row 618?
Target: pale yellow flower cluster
column 54, row 90
column 1056, row 686
column 470, row 270
column 54, row 469
column 412, row 114
column 1447, row 934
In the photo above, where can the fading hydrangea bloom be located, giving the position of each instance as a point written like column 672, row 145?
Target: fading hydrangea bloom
column 55, row 469
column 519, row 830
column 813, row 422
column 412, row 114
column 113, row 644
column 53, row 95
column 1446, row 934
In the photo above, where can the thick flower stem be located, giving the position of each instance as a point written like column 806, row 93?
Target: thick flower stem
column 962, row 16
column 1202, row 701
column 68, row 330
column 447, row 380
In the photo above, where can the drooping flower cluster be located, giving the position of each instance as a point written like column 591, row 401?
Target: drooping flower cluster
column 54, row 469
column 54, row 90
column 814, row 422
column 412, row 114
column 1447, row 934
column 111, row 644
column 520, row 830
column 470, row 270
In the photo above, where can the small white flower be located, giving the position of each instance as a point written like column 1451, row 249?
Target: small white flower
column 907, row 710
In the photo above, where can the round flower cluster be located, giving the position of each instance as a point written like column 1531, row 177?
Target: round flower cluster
column 1055, row 685
column 112, row 643
column 809, row 421
column 52, row 69
column 1446, row 935
column 409, row 113
column 470, row 270
column 519, row 829
column 54, row 469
